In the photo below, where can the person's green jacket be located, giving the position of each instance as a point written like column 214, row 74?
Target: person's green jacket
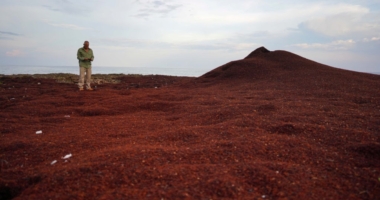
column 82, row 55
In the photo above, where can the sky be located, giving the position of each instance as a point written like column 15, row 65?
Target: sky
column 199, row 34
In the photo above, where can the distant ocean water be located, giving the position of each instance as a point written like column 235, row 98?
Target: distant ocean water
column 190, row 72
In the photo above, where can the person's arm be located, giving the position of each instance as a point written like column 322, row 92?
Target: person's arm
column 80, row 56
column 92, row 56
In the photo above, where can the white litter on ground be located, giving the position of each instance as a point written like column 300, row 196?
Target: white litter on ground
column 54, row 161
column 38, row 132
column 67, row 156
column 67, row 116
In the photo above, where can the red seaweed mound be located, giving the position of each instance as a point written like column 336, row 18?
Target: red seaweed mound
column 258, row 52
column 264, row 64
column 281, row 69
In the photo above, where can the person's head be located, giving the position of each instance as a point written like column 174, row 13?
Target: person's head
column 86, row 44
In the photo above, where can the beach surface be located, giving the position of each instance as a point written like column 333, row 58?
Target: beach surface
column 273, row 125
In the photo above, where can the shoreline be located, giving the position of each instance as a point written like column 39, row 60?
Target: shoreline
column 95, row 78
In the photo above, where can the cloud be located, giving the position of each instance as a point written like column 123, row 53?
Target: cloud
column 70, row 7
column 371, row 39
column 8, row 33
column 13, row 53
column 155, row 7
column 353, row 20
column 158, row 3
column 135, row 43
column 52, row 8
column 217, row 46
column 68, row 26
column 5, row 38
column 142, row 15
column 259, row 34
column 121, row 43
column 335, row 45
column 254, row 36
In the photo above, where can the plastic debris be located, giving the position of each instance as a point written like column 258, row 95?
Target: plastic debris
column 67, row 156
column 54, row 161
column 38, row 132
column 263, row 196
column 67, row 116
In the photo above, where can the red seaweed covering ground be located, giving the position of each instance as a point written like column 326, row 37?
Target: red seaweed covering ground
column 273, row 125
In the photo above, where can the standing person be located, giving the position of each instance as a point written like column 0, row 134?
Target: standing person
column 85, row 57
